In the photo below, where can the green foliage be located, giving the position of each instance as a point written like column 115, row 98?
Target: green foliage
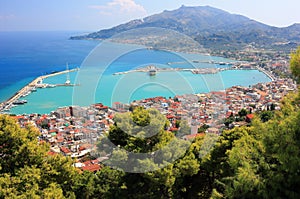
column 259, row 161
column 18, row 146
column 266, row 115
column 243, row 112
column 25, row 169
column 265, row 161
column 141, row 116
column 295, row 64
column 203, row 128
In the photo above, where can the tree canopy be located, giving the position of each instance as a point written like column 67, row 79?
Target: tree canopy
column 295, row 64
column 26, row 171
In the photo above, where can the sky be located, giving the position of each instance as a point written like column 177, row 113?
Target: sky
column 92, row 15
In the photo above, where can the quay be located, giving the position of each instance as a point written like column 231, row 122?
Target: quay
column 32, row 86
column 271, row 76
column 205, row 62
column 152, row 70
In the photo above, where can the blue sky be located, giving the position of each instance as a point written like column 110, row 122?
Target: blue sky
column 90, row 15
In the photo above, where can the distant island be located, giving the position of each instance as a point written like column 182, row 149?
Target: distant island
column 213, row 28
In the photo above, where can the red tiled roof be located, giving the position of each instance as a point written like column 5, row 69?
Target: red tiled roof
column 91, row 168
column 65, row 150
column 250, row 116
column 18, row 117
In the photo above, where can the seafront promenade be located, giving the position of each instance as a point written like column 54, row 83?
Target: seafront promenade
column 29, row 87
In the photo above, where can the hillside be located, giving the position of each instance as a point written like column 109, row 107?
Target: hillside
column 213, row 28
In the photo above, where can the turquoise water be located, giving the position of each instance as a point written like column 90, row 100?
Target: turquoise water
column 26, row 55
column 119, row 88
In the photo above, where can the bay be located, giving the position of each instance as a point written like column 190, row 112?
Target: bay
column 25, row 56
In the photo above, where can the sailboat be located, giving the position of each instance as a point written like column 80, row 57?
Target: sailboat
column 68, row 82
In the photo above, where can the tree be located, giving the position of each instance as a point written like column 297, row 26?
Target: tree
column 295, row 64
column 243, row 112
column 18, row 146
column 26, row 171
column 266, row 115
column 265, row 161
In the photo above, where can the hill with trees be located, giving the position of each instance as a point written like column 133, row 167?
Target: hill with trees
column 211, row 27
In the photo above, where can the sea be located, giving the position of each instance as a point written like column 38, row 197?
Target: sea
column 27, row 55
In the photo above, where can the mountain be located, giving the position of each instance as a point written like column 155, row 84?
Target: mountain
column 212, row 28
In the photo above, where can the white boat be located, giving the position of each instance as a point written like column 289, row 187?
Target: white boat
column 68, row 76
column 20, row 102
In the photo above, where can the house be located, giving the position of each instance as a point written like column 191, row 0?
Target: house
column 249, row 117
column 66, row 151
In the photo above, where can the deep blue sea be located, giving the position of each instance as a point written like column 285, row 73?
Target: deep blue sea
column 26, row 55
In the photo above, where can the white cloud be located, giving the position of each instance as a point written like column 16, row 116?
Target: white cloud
column 121, row 7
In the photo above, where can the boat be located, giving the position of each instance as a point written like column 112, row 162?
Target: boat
column 50, row 86
column 26, row 94
column 152, row 72
column 68, row 82
column 20, row 102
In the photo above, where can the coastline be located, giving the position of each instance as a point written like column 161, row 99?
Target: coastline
column 27, row 88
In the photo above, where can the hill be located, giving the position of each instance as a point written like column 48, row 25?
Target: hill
column 211, row 27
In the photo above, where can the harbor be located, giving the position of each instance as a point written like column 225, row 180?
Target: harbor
column 37, row 83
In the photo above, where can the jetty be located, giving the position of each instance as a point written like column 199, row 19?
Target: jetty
column 152, row 70
column 30, row 87
column 204, row 62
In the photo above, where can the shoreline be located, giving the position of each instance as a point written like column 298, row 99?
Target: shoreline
column 28, row 87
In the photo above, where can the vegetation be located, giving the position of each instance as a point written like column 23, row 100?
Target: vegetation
column 26, row 171
column 257, row 161
column 295, row 64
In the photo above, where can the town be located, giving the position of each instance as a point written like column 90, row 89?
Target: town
column 74, row 131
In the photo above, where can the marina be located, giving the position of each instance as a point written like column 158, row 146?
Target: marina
column 32, row 87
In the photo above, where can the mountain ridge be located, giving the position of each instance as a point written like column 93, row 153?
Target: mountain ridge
column 212, row 27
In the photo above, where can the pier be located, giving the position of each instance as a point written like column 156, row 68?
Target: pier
column 150, row 69
column 204, row 62
column 36, row 83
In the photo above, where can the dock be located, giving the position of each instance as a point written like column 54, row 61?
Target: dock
column 201, row 71
column 204, row 62
column 31, row 86
column 149, row 69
